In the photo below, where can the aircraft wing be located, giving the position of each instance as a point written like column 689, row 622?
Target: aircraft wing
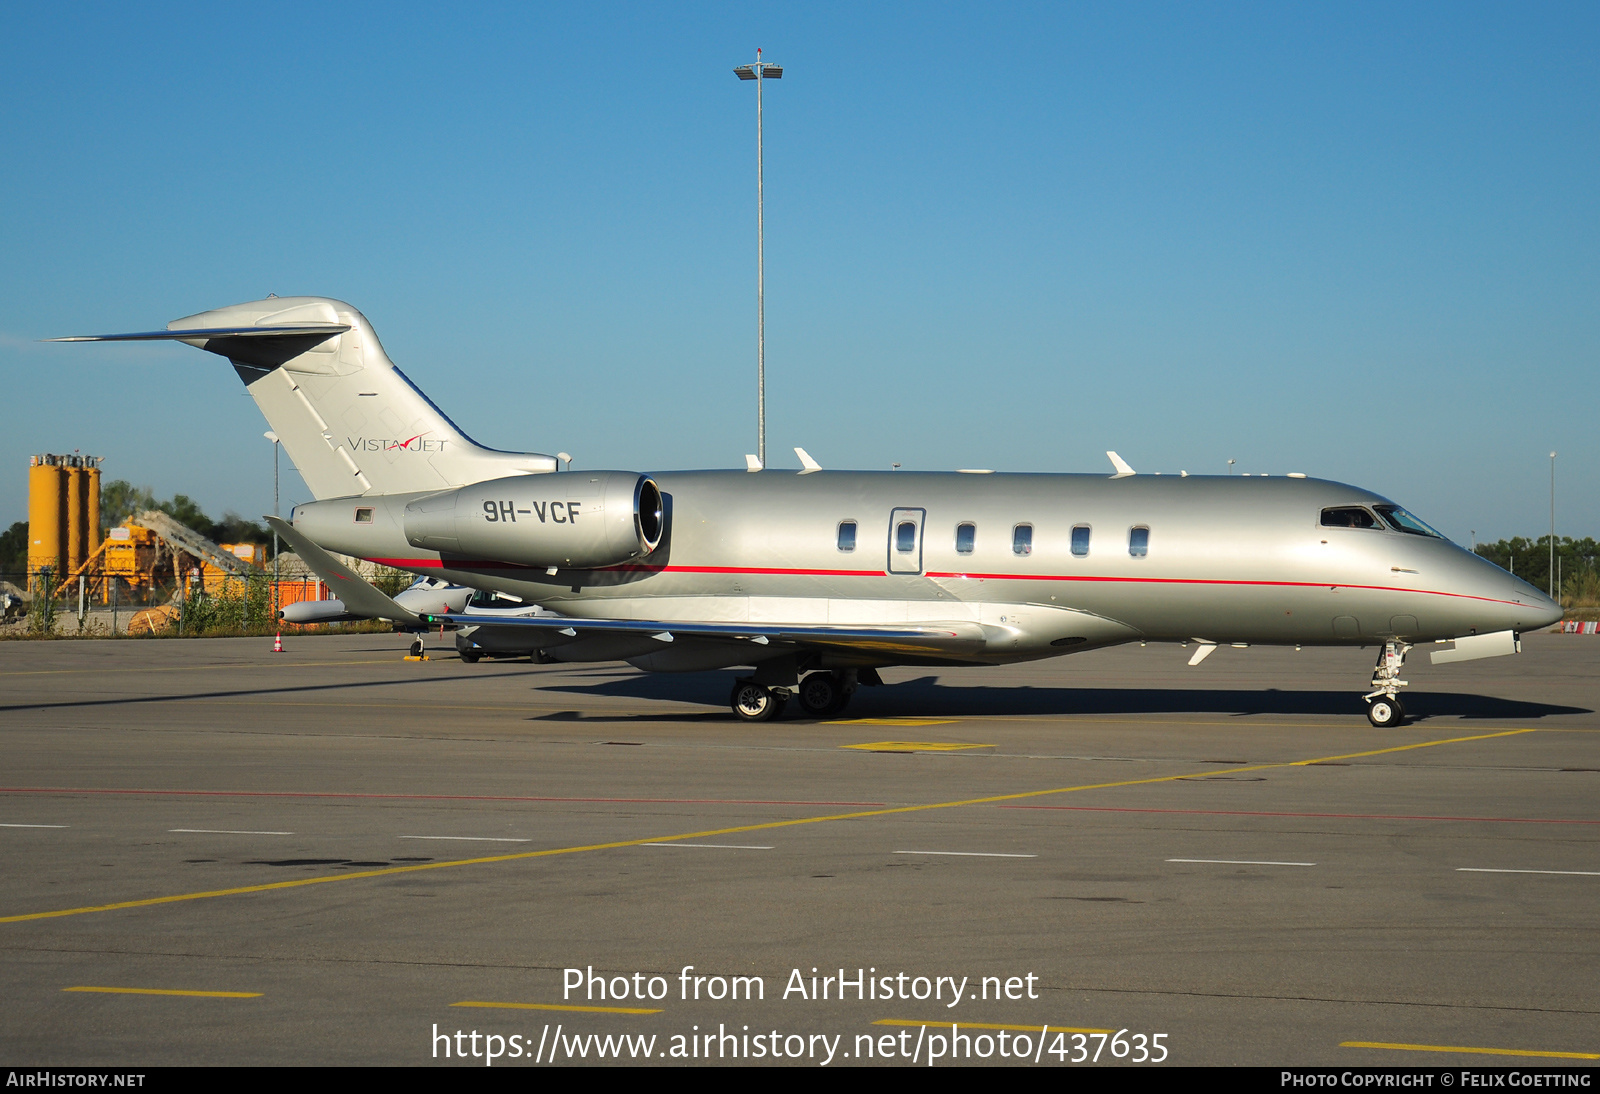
column 297, row 330
column 940, row 639
column 359, row 596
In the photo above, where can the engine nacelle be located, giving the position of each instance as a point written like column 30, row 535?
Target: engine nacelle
column 571, row 519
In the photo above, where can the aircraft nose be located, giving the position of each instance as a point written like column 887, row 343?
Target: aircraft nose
column 1532, row 608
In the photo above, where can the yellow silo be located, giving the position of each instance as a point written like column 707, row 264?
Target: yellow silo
column 47, row 524
column 77, row 513
column 91, row 497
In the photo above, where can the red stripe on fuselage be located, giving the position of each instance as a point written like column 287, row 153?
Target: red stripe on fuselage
column 452, row 564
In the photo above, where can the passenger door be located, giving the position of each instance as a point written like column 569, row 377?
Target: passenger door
column 905, row 540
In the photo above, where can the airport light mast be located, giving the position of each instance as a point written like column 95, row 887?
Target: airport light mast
column 1552, row 525
column 760, row 72
column 276, row 444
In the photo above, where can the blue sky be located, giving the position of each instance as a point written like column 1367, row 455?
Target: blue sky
column 1357, row 241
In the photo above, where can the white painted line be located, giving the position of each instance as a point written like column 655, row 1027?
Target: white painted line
column 1241, row 862
column 474, row 839
column 718, row 846
column 227, row 832
column 35, row 826
column 1486, row 870
column 966, row 854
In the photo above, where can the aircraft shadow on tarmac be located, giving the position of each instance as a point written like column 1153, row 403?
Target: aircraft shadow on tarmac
column 927, row 698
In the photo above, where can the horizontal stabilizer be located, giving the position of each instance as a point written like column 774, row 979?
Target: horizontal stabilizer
column 359, row 597
column 299, row 330
column 934, row 638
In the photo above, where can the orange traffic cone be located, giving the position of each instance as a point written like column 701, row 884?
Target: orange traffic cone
column 277, row 643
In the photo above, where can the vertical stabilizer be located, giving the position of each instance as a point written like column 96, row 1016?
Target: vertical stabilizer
column 351, row 422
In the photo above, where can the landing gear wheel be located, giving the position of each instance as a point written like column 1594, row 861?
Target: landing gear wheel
column 753, row 703
column 1386, row 713
column 470, row 656
column 416, row 647
column 822, row 694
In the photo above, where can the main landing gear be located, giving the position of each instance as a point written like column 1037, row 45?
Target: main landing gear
column 820, row 695
column 1384, row 708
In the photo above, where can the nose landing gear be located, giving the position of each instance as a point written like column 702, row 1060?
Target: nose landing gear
column 1384, row 708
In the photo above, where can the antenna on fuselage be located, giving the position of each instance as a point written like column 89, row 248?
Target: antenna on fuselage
column 1123, row 470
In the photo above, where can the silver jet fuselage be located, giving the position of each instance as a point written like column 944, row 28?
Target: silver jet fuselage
column 1161, row 558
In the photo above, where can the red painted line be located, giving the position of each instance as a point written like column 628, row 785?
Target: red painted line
column 764, row 570
column 405, row 797
column 1330, row 816
column 474, row 564
column 1220, row 581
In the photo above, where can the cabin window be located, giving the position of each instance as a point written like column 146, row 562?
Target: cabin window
column 1022, row 539
column 965, row 535
column 363, row 516
column 1138, row 542
column 1080, row 540
column 847, row 535
column 905, row 537
column 1349, row 516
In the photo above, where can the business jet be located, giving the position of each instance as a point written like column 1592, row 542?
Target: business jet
column 816, row 579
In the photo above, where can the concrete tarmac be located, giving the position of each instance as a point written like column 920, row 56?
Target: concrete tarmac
column 216, row 855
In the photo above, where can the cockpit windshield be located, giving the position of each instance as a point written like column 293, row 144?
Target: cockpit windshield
column 1402, row 521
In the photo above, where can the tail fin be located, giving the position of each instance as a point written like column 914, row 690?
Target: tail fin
column 351, row 422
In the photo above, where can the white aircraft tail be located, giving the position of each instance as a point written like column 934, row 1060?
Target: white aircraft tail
column 351, row 422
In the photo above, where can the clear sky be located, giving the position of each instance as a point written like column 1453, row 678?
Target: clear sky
column 1356, row 241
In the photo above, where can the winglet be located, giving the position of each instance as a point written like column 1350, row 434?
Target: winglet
column 1123, row 470
column 807, row 462
column 360, row 598
column 751, row 463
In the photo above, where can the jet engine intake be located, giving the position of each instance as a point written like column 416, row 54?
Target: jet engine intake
column 569, row 519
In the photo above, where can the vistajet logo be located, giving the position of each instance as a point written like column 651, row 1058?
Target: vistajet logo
column 390, row 444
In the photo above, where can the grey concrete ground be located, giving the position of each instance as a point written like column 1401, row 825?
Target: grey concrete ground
column 1227, row 855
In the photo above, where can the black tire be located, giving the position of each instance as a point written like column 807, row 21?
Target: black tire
column 416, row 647
column 470, row 656
column 753, row 703
column 820, row 694
column 1386, row 713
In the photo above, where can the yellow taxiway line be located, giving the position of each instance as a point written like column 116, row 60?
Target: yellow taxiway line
column 391, row 871
column 986, row 1025
column 554, row 1006
column 913, row 746
column 171, row 991
column 1477, row 1051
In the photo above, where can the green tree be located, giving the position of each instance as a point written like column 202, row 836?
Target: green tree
column 120, row 499
column 14, row 550
column 1529, row 559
